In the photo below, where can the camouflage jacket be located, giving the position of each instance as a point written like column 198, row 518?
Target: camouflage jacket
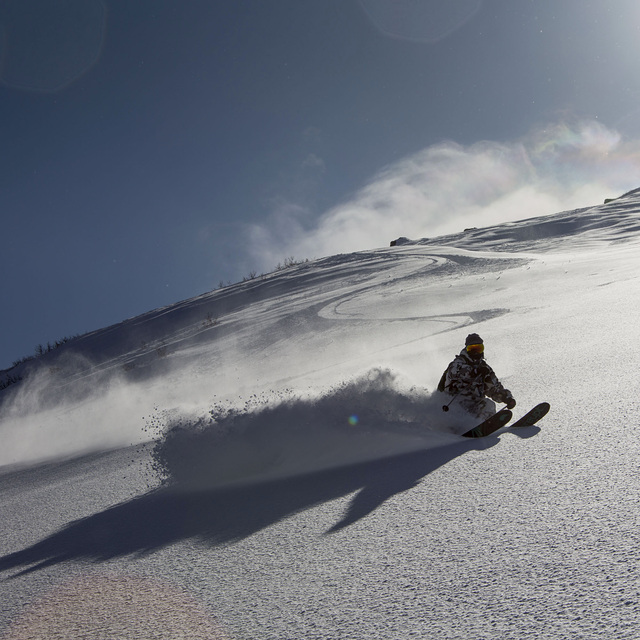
column 473, row 379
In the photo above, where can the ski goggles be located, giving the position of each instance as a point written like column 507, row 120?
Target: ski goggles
column 475, row 349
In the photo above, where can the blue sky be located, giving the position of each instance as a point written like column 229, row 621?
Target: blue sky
column 153, row 149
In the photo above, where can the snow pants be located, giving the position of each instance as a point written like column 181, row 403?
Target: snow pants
column 481, row 409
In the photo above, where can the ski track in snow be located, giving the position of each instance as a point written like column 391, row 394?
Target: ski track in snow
column 314, row 488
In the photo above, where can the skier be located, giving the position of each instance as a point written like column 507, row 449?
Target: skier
column 472, row 381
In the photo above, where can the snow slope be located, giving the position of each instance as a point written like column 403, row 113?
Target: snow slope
column 270, row 457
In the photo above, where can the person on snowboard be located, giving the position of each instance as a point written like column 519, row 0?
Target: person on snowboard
column 472, row 381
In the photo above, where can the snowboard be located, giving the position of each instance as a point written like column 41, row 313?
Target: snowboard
column 490, row 425
column 529, row 419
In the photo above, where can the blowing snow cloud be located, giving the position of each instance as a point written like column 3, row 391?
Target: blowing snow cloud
column 448, row 187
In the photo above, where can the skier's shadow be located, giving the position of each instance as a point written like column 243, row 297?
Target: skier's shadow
column 168, row 515
column 525, row 432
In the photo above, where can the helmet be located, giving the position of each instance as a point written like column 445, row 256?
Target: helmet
column 473, row 338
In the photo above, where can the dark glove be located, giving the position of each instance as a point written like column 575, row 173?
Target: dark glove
column 507, row 398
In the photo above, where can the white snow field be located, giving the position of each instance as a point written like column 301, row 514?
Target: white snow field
column 270, row 460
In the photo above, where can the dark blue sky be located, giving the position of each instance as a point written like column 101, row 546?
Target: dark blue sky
column 140, row 140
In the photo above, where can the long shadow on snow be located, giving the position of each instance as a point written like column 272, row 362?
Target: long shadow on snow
column 165, row 516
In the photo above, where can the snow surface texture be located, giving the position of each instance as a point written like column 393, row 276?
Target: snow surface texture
column 270, row 460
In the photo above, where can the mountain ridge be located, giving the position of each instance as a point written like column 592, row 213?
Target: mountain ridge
column 153, row 333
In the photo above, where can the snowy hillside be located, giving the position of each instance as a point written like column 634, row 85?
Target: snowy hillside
column 272, row 456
